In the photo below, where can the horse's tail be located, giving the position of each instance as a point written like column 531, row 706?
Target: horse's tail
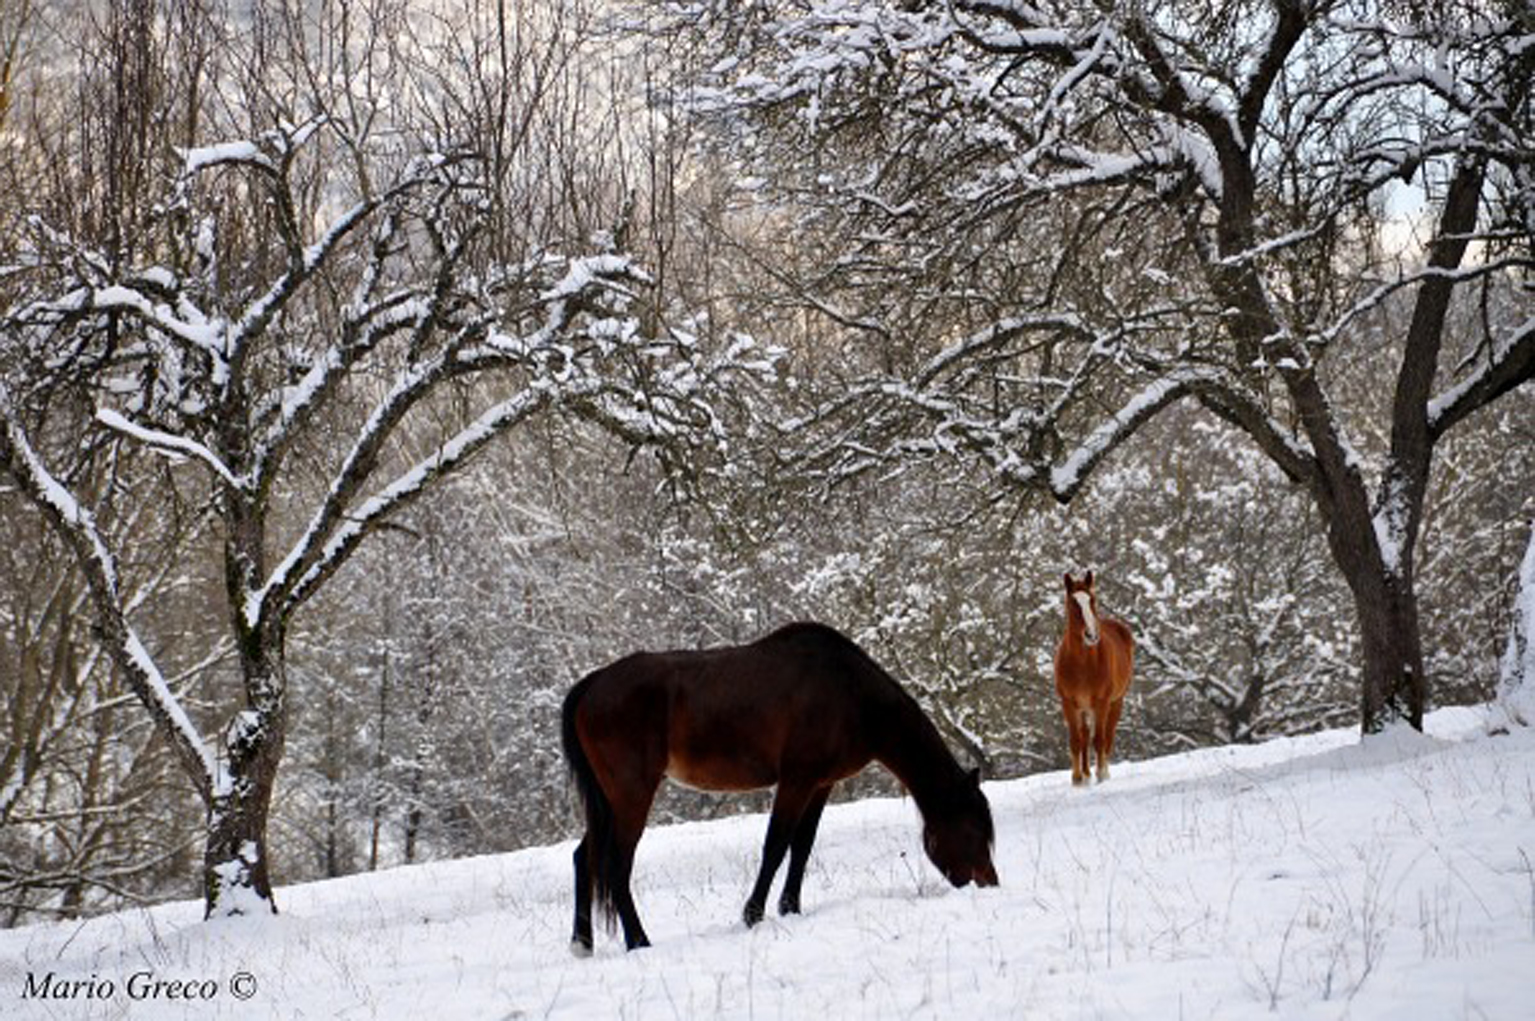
column 601, row 839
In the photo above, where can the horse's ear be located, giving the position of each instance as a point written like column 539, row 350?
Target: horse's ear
column 975, row 776
column 1088, row 581
column 1067, row 579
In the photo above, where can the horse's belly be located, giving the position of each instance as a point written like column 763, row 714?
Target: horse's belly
column 715, row 773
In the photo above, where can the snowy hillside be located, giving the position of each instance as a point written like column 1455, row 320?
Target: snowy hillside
column 1312, row 877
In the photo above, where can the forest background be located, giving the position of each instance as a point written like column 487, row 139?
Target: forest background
column 372, row 370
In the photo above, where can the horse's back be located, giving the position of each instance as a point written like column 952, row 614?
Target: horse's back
column 730, row 718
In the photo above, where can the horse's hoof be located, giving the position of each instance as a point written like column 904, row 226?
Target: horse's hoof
column 580, row 948
column 752, row 915
column 788, row 907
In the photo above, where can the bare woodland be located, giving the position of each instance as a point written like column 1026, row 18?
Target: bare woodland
column 371, row 370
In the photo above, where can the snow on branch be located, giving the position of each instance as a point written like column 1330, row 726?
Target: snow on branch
column 170, row 325
column 344, row 534
column 412, row 384
column 77, row 526
column 1516, row 673
column 185, row 322
column 169, row 443
column 1067, row 477
column 266, row 152
column 1217, row 390
column 1509, row 364
column 240, row 152
column 362, row 332
column 949, row 405
column 306, row 259
column 583, row 350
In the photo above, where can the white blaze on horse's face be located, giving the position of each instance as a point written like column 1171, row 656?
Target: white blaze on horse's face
column 1089, row 619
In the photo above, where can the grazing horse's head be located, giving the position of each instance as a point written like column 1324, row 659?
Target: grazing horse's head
column 1082, row 607
column 958, row 841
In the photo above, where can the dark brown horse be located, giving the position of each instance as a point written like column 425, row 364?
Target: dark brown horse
column 801, row 709
column 1092, row 674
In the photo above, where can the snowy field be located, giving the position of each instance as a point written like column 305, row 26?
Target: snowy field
column 1305, row 878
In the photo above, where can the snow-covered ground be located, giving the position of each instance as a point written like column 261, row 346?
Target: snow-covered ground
column 1313, row 877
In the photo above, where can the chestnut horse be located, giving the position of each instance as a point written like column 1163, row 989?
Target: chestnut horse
column 801, row 709
column 1092, row 674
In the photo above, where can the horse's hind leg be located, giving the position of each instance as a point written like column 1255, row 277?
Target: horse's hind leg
column 634, row 933
column 799, row 852
column 628, row 834
column 581, row 938
column 609, row 863
column 1108, row 721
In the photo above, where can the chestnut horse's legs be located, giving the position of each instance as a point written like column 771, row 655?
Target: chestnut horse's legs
column 799, row 852
column 1078, row 733
column 788, row 809
column 1108, row 720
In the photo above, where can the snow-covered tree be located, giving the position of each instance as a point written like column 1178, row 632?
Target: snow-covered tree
column 1241, row 630
column 1516, row 682
column 277, row 316
column 92, row 810
column 1045, row 223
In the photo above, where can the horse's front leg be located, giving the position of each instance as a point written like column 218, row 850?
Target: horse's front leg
column 1077, row 739
column 788, row 808
column 1108, row 720
column 799, row 852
